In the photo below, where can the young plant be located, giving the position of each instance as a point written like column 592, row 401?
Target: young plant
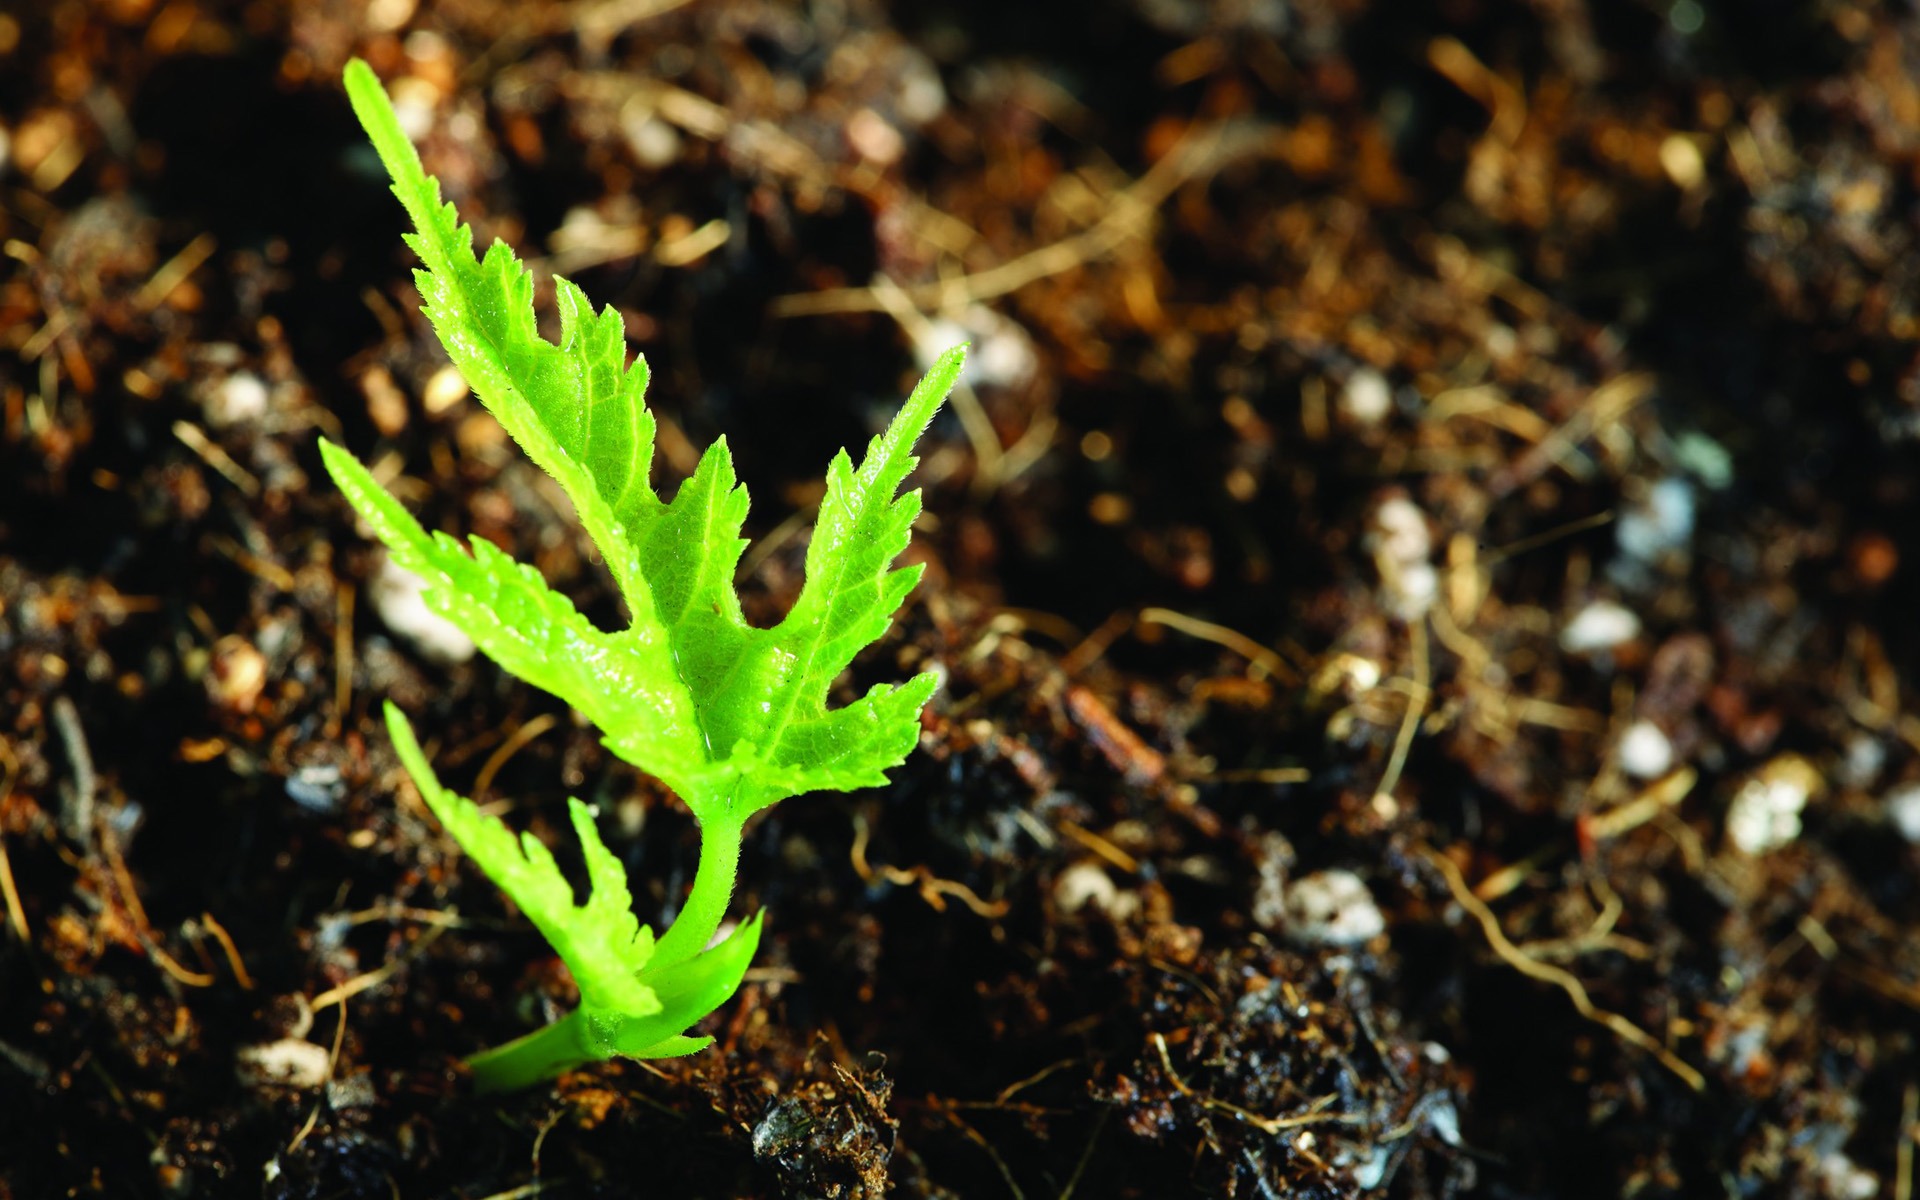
column 733, row 718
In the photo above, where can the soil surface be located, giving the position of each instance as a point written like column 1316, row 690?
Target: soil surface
column 1422, row 565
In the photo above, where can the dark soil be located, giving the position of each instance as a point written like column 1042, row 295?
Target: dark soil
column 1423, row 573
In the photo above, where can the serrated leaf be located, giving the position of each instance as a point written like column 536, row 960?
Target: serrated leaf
column 601, row 941
column 537, row 634
column 848, row 602
column 575, row 408
column 728, row 715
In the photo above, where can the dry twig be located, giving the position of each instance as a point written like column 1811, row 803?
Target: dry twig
column 1534, row 969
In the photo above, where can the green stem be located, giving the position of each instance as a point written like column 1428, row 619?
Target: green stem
column 706, row 905
column 534, row 1058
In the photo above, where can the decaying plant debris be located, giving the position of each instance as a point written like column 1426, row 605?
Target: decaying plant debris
column 1419, row 569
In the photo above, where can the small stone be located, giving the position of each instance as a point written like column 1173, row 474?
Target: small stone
column 288, row 1062
column 873, row 139
column 1862, row 760
column 1088, row 883
column 355, row 1091
column 919, row 96
column 1002, row 354
column 1844, row 1179
column 386, row 403
column 238, row 399
column 1402, row 543
column 317, row 787
column 1412, row 590
column 936, row 337
column 1681, row 159
column 1083, row 884
column 399, row 596
column 445, row 388
column 1765, row 813
column 1333, row 908
column 1709, row 461
column 385, row 16
column 1370, row 1167
column 1902, row 806
column 1601, row 625
column 1660, row 524
column 236, row 674
column 1443, row 1122
column 1645, row 751
column 414, row 101
column 1367, row 398
column 1400, row 531
column 654, row 143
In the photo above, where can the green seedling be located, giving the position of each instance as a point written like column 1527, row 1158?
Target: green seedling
column 732, row 717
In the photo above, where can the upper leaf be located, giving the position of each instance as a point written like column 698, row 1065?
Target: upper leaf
column 732, row 717
column 575, row 408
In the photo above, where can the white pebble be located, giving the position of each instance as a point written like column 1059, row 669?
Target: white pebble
column 1400, row 530
column 236, row 400
column 1644, row 752
column 919, row 96
column 1601, row 625
column 1088, row 883
column 1660, row 524
column 655, row 144
column 1863, row 761
column 1765, row 813
column 1083, row 884
column 289, row 1062
column 1844, row 1179
column 414, row 101
column 1370, row 1169
column 1001, row 354
column 1363, row 674
column 385, row 16
column 1415, row 586
column 1367, row 398
column 1401, row 542
column 355, row 1091
column 1443, row 1121
column 445, row 388
column 1333, row 908
column 936, row 338
column 1709, row 461
column 873, row 139
column 1903, row 809
column 399, row 596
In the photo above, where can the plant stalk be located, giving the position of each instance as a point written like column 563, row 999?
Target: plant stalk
column 706, row 904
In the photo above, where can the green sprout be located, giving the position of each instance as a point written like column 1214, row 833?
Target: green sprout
column 732, row 717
